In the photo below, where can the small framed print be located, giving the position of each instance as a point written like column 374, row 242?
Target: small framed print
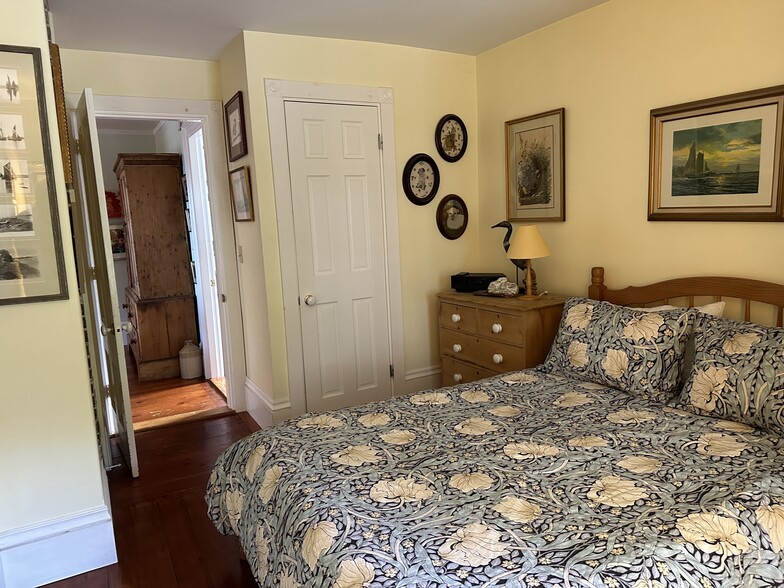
column 535, row 168
column 720, row 159
column 452, row 216
column 117, row 237
column 235, row 127
column 241, row 200
column 451, row 138
column 32, row 267
column 421, row 179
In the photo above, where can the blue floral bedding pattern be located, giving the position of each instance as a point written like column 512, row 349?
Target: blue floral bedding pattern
column 521, row 480
column 639, row 351
column 738, row 373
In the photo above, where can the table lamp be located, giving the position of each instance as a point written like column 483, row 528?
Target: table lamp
column 527, row 244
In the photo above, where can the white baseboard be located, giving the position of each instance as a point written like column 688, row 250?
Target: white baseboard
column 422, row 379
column 262, row 408
column 57, row 549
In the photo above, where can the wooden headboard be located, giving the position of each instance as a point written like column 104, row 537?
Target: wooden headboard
column 714, row 287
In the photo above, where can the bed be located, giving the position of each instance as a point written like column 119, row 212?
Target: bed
column 652, row 471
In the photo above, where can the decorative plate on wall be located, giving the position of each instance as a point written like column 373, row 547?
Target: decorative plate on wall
column 452, row 216
column 421, row 179
column 451, row 137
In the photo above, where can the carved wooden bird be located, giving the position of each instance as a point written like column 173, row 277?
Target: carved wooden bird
column 520, row 263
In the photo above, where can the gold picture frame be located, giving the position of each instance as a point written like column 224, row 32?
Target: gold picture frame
column 535, row 167
column 241, row 198
column 32, row 267
column 718, row 159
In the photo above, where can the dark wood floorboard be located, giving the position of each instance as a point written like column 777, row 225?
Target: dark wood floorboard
column 164, row 537
column 160, row 402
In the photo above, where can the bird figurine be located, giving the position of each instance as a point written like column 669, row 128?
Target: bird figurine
column 520, row 263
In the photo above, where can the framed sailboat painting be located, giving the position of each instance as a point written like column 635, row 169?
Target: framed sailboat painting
column 719, row 159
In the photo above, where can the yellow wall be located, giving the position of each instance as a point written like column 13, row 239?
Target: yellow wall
column 123, row 74
column 609, row 66
column 48, row 452
column 427, row 84
column 248, row 236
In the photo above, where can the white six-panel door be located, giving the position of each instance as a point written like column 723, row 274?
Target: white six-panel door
column 336, row 185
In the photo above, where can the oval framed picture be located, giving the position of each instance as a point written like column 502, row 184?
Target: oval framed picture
column 421, row 179
column 452, row 216
column 451, row 137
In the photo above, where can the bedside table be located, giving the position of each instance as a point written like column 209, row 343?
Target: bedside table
column 482, row 335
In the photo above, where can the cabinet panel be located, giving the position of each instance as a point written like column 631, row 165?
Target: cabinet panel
column 458, row 317
column 456, row 372
column 498, row 356
column 506, row 328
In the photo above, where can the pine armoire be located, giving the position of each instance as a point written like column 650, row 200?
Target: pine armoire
column 160, row 296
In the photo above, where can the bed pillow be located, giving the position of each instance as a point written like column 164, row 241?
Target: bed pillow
column 714, row 308
column 738, row 373
column 630, row 349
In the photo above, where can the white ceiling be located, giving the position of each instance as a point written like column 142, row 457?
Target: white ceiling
column 200, row 29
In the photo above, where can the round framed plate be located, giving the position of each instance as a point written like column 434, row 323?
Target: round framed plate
column 421, row 179
column 451, row 138
column 452, row 216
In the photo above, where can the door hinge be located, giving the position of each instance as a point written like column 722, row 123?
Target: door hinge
column 223, row 298
column 391, row 371
column 76, row 146
column 380, row 142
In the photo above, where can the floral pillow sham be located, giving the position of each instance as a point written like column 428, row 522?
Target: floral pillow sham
column 714, row 308
column 630, row 349
column 738, row 373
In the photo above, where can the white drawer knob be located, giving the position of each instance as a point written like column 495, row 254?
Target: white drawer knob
column 497, row 328
column 498, row 358
column 458, row 377
column 455, row 318
column 457, row 348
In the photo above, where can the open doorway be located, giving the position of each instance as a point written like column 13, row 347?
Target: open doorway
column 158, row 394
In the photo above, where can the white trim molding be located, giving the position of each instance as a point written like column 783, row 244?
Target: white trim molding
column 262, row 408
column 277, row 93
column 422, row 379
column 57, row 549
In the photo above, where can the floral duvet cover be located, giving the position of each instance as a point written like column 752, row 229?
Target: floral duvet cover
column 526, row 479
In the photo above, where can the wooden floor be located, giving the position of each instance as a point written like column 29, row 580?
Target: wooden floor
column 164, row 538
column 162, row 402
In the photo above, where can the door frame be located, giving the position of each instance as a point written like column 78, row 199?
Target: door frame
column 210, row 114
column 278, row 92
column 204, row 260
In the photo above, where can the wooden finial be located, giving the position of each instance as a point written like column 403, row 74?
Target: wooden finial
column 597, row 288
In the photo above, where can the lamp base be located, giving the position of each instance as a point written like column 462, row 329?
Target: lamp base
column 528, row 297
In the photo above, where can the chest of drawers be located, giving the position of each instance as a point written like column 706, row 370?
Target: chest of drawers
column 481, row 336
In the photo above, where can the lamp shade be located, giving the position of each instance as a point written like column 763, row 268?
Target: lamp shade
column 527, row 243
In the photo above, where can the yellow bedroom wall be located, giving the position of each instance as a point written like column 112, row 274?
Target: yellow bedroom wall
column 427, row 84
column 123, row 74
column 49, row 457
column 609, row 66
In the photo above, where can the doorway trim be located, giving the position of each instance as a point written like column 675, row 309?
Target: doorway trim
column 278, row 92
column 210, row 114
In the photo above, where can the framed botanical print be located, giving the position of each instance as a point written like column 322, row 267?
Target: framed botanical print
column 241, row 200
column 535, row 167
column 32, row 268
column 235, row 127
column 719, row 159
